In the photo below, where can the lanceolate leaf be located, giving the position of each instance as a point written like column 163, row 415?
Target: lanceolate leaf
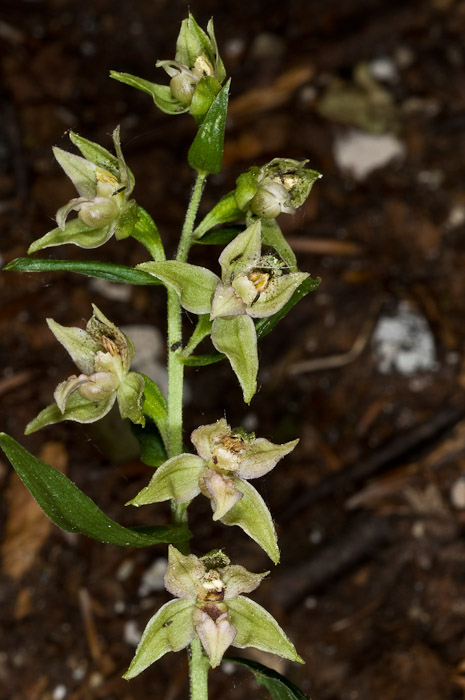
column 155, row 407
column 206, row 152
column 152, row 449
column 108, row 271
column 71, row 509
column 146, row 232
column 221, row 236
column 279, row 687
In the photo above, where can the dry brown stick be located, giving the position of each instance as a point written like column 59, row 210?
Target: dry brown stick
column 399, row 449
column 90, row 629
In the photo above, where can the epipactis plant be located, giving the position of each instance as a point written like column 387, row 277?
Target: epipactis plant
column 257, row 284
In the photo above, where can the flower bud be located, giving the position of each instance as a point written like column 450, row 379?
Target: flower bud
column 182, row 88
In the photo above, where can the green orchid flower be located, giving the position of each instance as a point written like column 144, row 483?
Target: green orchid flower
column 104, row 355
column 197, row 73
column 211, row 607
column 252, row 286
column 104, row 208
column 225, row 462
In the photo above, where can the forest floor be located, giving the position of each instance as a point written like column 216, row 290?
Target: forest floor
column 368, row 370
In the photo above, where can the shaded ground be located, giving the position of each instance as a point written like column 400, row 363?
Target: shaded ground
column 371, row 507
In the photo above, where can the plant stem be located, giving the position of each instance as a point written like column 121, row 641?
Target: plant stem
column 186, row 235
column 198, row 662
column 198, row 672
column 175, row 364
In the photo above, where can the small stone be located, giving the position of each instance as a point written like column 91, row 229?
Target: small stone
column 109, row 290
column 360, row 153
column 153, row 578
column 404, row 343
column 457, row 493
column 60, row 692
column 383, row 68
column 132, row 633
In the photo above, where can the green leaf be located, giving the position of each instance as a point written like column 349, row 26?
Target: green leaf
column 146, row 232
column 71, row 509
column 279, row 687
column 257, row 628
column 202, row 329
column 206, row 152
column 225, row 211
column 155, row 407
column 194, row 285
column 266, row 325
column 221, row 236
column 108, row 271
column 251, row 514
column 209, row 358
column 235, row 337
column 152, row 449
column 170, row 629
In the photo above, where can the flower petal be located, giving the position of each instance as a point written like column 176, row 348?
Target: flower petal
column 277, row 293
column 79, row 170
column 222, row 490
column 216, row 634
column 130, row 396
column 261, row 456
column 238, row 580
column 76, row 233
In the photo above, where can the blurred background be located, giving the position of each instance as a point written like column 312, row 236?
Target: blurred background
column 368, row 370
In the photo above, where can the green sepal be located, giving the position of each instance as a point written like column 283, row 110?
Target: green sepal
column 155, row 407
column 251, row 514
column 146, row 232
column 78, row 343
column 222, row 213
column 279, row 687
column 170, row 629
column 130, row 397
column 177, row 479
column 80, row 171
column 95, row 153
column 194, row 285
column 257, row 628
column 206, row 152
column 120, row 274
column 78, row 409
column 161, row 94
column 75, row 232
column 273, row 237
column 152, row 449
column 71, row 510
column 236, row 338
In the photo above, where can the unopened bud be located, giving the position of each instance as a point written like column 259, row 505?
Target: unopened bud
column 99, row 212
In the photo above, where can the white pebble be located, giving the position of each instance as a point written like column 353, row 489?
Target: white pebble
column 359, row 153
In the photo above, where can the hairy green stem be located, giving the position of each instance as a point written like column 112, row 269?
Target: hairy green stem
column 198, row 671
column 186, row 236
column 198, row 663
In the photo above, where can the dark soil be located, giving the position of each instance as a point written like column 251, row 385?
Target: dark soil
column 370, row 507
